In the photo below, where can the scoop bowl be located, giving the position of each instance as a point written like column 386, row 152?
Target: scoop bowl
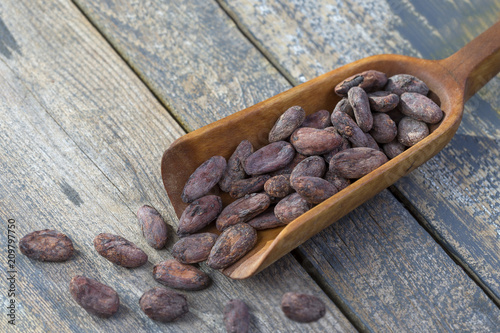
column 452, row 81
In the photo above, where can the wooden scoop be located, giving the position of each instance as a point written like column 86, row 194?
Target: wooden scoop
column 452, row 81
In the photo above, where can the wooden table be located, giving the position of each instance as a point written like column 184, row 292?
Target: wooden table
column 92, row 92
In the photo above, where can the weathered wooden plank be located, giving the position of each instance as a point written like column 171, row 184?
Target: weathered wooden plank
column 107, row 16
column 455, row 194
column 390, row 273
column 190, row 54
column 80, row 137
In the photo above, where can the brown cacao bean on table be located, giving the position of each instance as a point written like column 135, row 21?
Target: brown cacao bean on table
column 175, row 275
column 236, row 317
column 153, row 227
column 302, row 308
column 203, row 179
column 233, row 243
column 194, row 248
column 163, row 305
column 288, row 122
column 119, row 251
column 199, row 214
column 95, row 297
column 46, row 245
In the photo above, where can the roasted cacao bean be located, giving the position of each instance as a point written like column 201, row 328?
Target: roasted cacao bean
column 163, row 305
column 96, row 298
column 203, row 179
column 233, row 243
column 119, row 251
column 46, row 245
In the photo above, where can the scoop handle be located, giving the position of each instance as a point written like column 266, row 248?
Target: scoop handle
column 477, row 62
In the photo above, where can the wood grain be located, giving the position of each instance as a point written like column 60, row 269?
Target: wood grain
column 190, row 54
column 454, row 194
column 81, row 139
column 390, row 273
column 110, row 16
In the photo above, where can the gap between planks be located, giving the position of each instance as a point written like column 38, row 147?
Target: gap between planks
column 247, row 34
column 442, row 243
column 167, row 108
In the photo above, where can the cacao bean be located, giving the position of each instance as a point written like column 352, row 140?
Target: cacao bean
column 236, row 317
column 312, row 141
column 163, row 305
column 278, row 186
column 153, row 227
column 384, row 129
column 302, row 308
column 203, row 179
column 175, row 275
column 383, row 101
column 266, row 220
column 393, row 148
column 361, row 107
column 411, row 131
column 313, row 166
column 368, row 80
column 96, row 298
column 401, row 83
column 421, row 108
column 199, row 214
column 357, row 162
column 234, row 169
column 291, row 207
column 242, row 187
column 319, row 119
column 243, row 210
column 194, row 248
column 119, row 251
column 233, row 243
column 314, row 189
column 288, row 122
column 349, row 129
column 269, row 158
column 46, row 245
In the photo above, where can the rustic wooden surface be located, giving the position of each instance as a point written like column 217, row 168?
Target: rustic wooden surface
column 84, row 148
column 81, row 140
column 300, row 48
